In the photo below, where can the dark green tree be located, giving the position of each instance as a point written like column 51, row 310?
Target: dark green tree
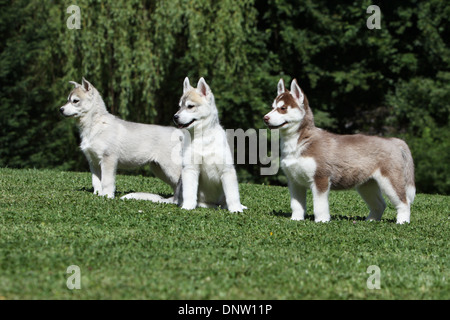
column 392, row 81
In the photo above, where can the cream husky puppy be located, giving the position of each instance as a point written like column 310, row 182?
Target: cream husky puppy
column 313, row 158
column 110, row 143
column 208, row 176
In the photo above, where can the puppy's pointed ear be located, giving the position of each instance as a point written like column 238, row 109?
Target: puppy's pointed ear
column 186, row 85
column 76, row 84
column 203, row 87
column 86, row 85
column 281, row 88
column 297, row 92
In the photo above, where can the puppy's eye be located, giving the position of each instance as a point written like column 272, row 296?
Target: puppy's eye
column 75, row 101
column 190, row 106
column 283, row 108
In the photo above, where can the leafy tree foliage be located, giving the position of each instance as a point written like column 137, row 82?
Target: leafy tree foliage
column 389, row 81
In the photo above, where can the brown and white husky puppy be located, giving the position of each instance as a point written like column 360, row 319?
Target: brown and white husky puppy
column 322, row 161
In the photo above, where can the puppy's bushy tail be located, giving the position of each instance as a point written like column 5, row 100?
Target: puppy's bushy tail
column 147, row 197
column 409, row 173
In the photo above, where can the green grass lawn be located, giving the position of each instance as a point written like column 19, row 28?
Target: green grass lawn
column 50, row 220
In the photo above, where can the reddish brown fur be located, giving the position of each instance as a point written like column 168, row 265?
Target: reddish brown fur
column 345, row 171
column 289, row 100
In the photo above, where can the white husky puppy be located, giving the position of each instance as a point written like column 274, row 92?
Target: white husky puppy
column 319, row 160
column 110, row 143
column 208, row 176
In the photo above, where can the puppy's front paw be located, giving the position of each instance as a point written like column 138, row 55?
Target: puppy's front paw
column 237, row 208
column 322, row 219
column 109, row 195
column 189, row 206
column 298, row 217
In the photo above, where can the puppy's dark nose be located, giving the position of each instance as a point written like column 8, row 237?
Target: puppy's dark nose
column 61, row 110
column 175, row 118
column 266, row 119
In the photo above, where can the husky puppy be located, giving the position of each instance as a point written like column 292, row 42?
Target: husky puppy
column 208, row 177
column 110, row 143
column 319, row 160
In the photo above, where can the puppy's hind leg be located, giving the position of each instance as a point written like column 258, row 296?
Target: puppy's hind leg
column 170, row 174
column 396, row 193
column 371, row 194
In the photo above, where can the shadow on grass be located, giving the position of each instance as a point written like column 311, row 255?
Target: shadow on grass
column 84, row 189
column 339, row 217
column 289, row 214
column 348, row 218
column 342, row 217
column 122, row 193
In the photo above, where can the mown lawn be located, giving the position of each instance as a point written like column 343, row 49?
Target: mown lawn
column 50, row 220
